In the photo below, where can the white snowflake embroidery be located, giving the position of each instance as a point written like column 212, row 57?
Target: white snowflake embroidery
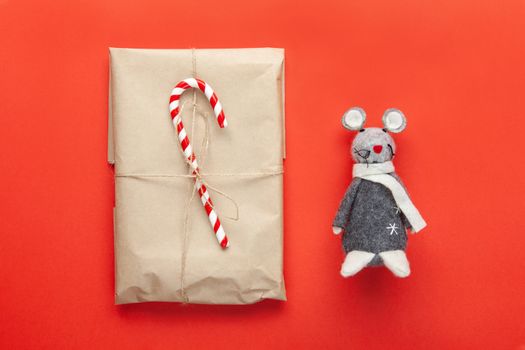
column 397, row 209
column 393, row 228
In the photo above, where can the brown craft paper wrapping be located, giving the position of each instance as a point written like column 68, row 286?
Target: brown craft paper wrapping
column 152, row 193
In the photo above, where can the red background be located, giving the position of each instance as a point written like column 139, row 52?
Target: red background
column 457, row 71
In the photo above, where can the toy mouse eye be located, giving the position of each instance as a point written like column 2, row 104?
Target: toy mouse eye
column 361, row 130
column 363, row 153
column 384, row 130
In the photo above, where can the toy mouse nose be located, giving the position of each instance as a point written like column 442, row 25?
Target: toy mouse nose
column 378, row 148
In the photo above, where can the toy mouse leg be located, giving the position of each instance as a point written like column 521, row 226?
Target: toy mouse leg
column 396, row 261
column 355, row 261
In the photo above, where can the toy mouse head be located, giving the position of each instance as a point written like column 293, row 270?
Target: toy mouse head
column 373, row 145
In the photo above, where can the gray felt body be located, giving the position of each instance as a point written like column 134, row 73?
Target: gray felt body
column 366, row 212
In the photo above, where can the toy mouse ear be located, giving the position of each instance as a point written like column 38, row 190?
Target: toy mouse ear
column 394, row 120
column 354, row 118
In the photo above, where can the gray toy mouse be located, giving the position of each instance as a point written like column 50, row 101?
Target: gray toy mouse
column 376, row 209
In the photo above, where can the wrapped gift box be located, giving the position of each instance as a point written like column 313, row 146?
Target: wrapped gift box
column 165, row 247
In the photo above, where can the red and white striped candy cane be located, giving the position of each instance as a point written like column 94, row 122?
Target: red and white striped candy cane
column 188, row 151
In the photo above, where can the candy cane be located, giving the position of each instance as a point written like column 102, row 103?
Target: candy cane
column 188, row 150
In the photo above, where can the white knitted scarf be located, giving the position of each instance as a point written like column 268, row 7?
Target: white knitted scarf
column 378, row 172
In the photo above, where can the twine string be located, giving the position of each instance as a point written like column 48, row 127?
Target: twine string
column 191, row 188
column 197, row 176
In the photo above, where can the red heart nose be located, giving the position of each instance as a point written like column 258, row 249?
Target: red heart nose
column 378, row 148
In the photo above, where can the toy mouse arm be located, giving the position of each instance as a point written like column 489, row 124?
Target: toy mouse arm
column 405, row 221
column 343, row 213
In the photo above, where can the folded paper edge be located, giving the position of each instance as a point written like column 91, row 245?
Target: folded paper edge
column 111, row 149
column 283, row 102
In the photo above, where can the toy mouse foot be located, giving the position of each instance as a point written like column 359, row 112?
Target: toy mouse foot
column 355, row 261
column 396, row 261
